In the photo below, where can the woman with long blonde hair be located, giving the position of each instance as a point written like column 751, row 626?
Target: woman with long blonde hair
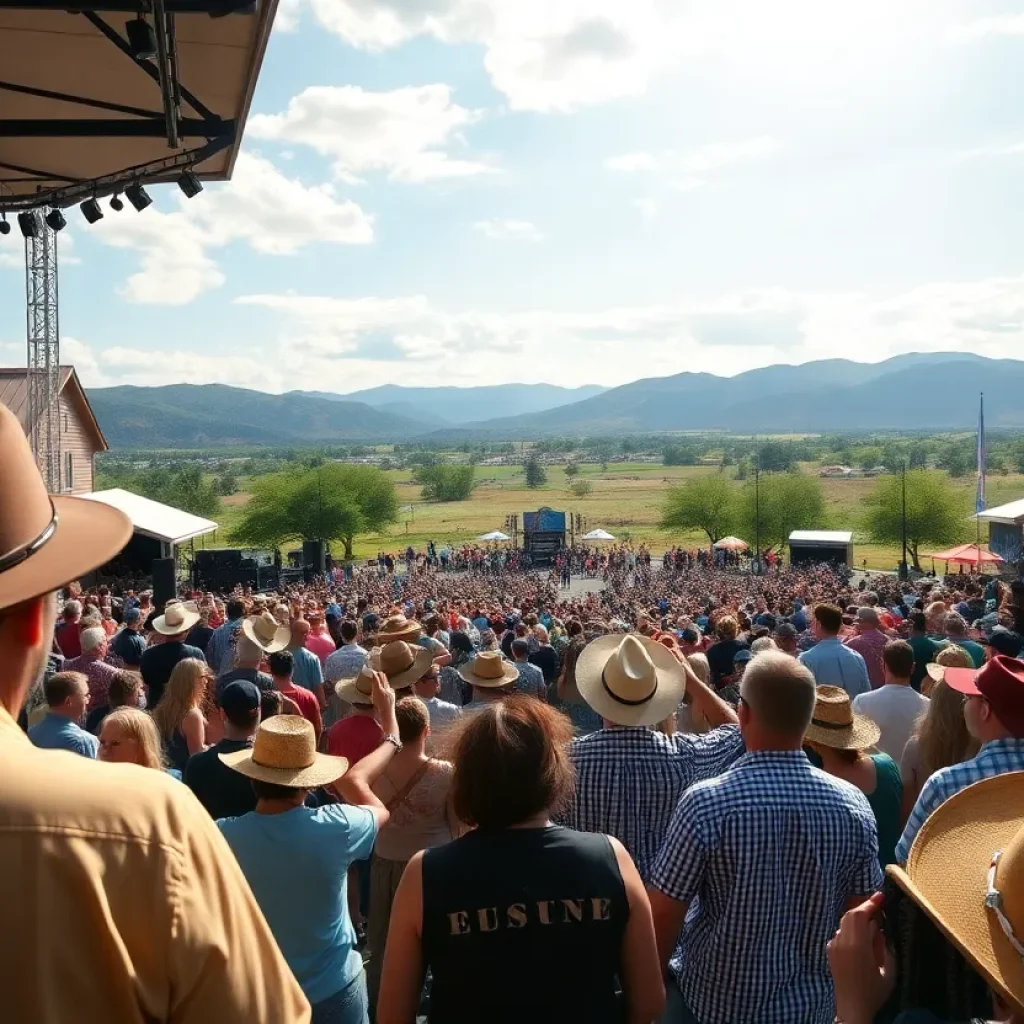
column 130, row 736
column 940, row 737
column 180, row 716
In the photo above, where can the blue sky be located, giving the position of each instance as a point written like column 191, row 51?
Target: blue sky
column 576, row 191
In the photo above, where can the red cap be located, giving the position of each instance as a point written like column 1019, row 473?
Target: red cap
column 1001, row 683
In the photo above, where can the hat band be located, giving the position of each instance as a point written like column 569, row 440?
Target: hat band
column 822, row 724
column 18, row 555
column 622, row 700
column 282, row 767
column 994, row 902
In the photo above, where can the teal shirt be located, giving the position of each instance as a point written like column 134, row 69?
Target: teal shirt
column 885, row 802
column 975, row 650
column 925, row 649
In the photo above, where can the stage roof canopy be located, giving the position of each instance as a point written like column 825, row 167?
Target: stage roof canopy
column 820, row 537
column 81, row 116
column 1012, row 514
column 154, row 519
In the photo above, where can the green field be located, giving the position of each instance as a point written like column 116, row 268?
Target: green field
column 626, row 500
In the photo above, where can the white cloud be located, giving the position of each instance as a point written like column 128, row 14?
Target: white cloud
column 647, row 208
column 271, row 213
column 982, row 28
column 288, row 15
column 510, row 230
column 12, row 250
column 990, row 152
column 692, row 168
column 406, row 132
column 630, row 162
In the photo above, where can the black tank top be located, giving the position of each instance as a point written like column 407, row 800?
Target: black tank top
column 523, row 925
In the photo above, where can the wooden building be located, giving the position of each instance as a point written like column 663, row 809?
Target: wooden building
column 80, row 434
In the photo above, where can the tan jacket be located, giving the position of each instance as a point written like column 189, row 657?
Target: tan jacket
column 120, row 901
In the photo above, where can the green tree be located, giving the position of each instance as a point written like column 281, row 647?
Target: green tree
column 936, row 511
column 581, row 488
column 226, row 483
column 536, row 474
column 779, row 503
column 571, row 470
column 331, row 502
column 679, row 455
column 707, row 504
column 445, row 482
column 775, row 456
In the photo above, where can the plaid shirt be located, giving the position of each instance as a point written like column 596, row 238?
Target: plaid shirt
column 629, row 780
column 995, row 758
column 766, row 855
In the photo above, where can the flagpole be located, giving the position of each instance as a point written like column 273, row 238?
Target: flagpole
column 979, row 502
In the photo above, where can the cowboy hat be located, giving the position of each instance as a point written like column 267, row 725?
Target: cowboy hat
column 403, row 664
column 46, row 542
column 630, row 680
column 1001, row 682
column 966, row 872
column 265, row 633
column 397, row 627
column 834, row 723
column 284, row 752
column 488, row 669
column 178, row 617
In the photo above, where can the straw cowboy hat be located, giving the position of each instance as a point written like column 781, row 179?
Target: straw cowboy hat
column 397, row 627
column 265, row 633
column 46, row 542
column 284, row 752
column 403, row 664
column 966, row 872
column 630, row 680
column 489, row 669
column 178, row 617
column 834, row 723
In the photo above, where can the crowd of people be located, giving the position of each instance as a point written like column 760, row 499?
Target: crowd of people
column 693, row 795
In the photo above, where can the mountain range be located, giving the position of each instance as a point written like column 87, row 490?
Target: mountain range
column 936, row 391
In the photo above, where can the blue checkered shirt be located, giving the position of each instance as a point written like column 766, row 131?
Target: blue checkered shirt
column 995, row 758
column 767, row 855
column 629, row 780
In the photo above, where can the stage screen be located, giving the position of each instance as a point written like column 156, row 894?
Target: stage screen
column 544, row 521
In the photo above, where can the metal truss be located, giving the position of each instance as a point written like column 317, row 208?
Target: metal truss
column 43, row 354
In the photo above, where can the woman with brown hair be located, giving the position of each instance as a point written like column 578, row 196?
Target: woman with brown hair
column 179, row 715
column 566, row 908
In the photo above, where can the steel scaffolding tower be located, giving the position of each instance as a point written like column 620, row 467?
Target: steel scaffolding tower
column 43, row 352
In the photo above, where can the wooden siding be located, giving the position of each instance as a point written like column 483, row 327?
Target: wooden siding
column 75, row 440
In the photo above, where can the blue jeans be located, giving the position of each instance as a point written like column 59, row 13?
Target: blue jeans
column 349, row 1006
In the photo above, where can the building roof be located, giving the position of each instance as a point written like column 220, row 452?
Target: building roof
column 14, row 394
column 821, row 537
column 153, row 518
column 83, row 118
column 1011, row 513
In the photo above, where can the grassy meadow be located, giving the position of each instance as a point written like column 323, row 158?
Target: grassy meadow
column 626, row 500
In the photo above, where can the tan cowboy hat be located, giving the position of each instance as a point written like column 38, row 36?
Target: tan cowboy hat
column 630, row 680
column 403, row 664
column 178, row 617
column 489, row 669
column 395, row 628
column 966, row 872
column 284, row 752
column 46, row 542
column 834, row 723
column 265, row 633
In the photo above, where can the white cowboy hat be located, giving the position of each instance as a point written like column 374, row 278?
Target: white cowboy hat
column 284, row 752
column 178, row 617
column 403, row 664
column 630, row 680
column 265, row 633
column 489, row 669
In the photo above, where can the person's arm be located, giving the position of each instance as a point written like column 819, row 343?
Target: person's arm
column 707, row 702
column 354, row 785
column 455, row 827
column 863, row 968
column 667, row 915
column 442, row 659
column 318, row 683
column 402, row 974
column 639, row 971
column 193, row 728
column 318, row 722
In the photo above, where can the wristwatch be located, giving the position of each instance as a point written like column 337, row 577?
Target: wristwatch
column 393, row 739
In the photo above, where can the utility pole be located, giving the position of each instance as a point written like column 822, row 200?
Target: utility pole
column 757, row 512
column 904, row 571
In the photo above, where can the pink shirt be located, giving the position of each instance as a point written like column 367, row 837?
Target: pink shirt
column 320, row 644
column 869, row 645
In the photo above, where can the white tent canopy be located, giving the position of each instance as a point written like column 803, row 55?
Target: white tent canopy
column 153, row 519
column 598, row 535
column 494, row 535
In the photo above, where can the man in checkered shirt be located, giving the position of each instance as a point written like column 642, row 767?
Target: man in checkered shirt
column 994, row 715
column 768, row 856
column 629, row 777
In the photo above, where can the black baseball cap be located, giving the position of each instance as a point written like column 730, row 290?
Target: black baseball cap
column 239, row 700
column 1004, row 641
column 689, row 635
column 786, row 629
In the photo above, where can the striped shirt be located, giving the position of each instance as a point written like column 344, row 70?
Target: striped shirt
column 767, row 856
column 995, row 758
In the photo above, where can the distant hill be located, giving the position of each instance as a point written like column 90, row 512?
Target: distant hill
column 910, row 392
column 444, row 405
column 215, row 415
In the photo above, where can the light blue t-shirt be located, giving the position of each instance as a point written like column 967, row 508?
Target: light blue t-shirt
column 296, row 864
column 56, row 732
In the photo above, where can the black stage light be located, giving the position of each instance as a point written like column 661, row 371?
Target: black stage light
column 29, row 224
column 116, row 204
column 137, row 196
column 56, row 220
column 91, row 211
column 141, row 39
column 5, row 228
column 190, row 184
